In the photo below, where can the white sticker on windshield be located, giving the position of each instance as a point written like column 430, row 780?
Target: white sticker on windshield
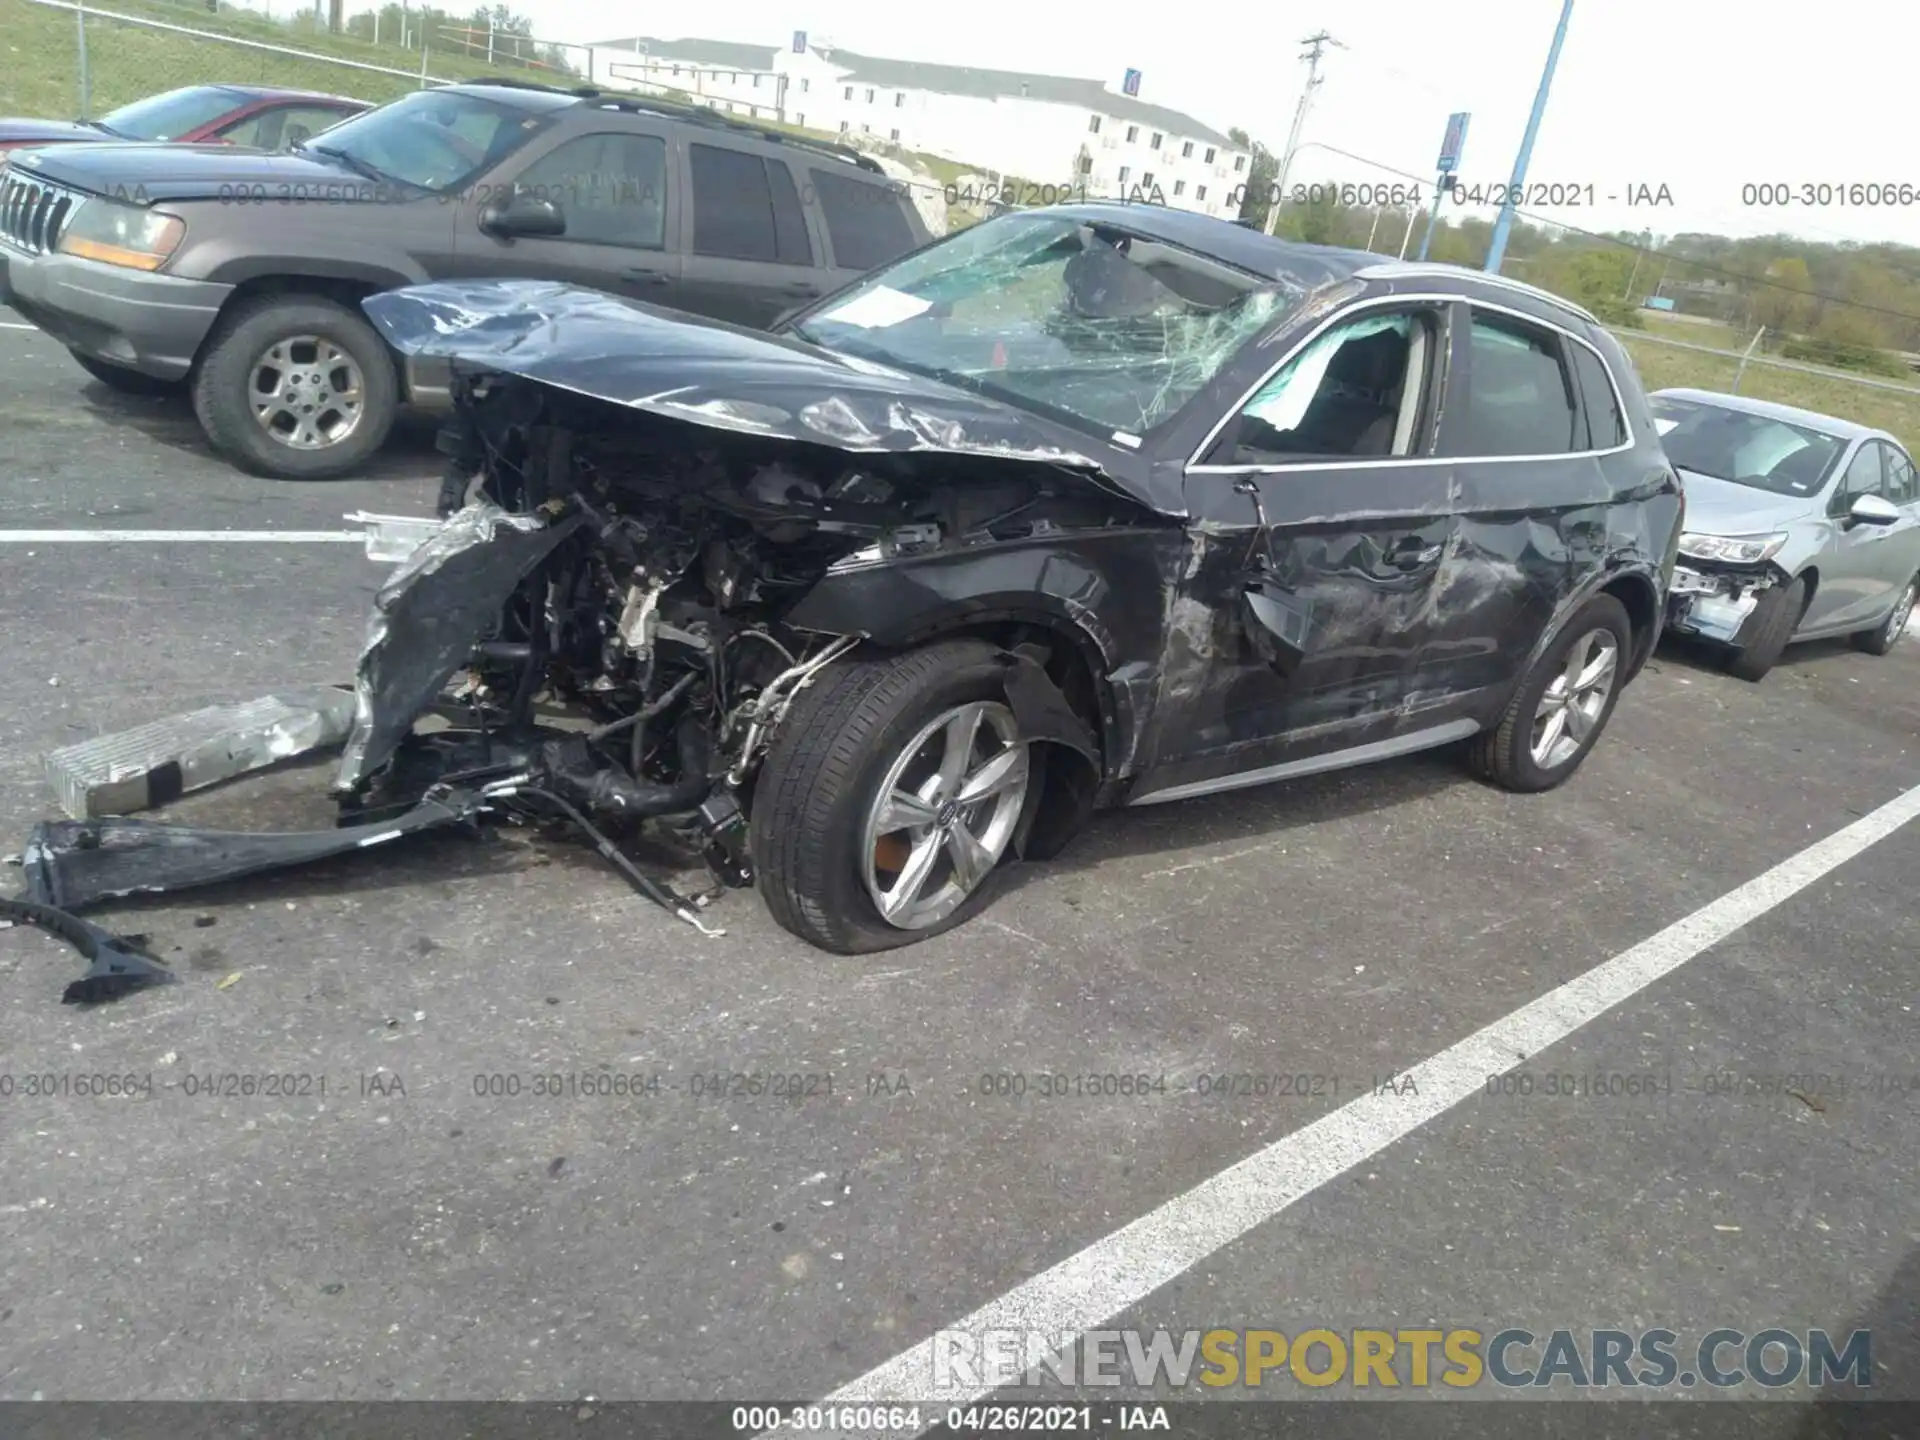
column 878, row 308
column 1664, row 425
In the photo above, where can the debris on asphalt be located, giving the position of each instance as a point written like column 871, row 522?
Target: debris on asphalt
column 228, row 981
column 116, row 964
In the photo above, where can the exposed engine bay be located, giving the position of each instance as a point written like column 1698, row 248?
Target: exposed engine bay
column 660, row 611
column 597, row 635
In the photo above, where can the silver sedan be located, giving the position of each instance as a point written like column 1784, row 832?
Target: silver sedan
column 1798, row 526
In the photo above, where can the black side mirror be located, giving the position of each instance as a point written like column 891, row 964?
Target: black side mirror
column 523, row 214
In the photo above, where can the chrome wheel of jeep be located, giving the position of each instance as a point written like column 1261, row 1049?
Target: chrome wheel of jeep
column 944, row 814
column 306, row 392
column 1575, row 700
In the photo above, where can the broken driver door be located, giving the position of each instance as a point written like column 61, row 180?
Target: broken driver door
column 1321, row 521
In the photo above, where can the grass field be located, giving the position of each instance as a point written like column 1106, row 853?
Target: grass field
column 40, row 73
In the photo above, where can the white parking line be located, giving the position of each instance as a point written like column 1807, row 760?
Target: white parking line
column 1118, row 1272
column 192, row 537
column 14, row 325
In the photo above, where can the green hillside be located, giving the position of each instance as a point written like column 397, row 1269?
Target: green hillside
column 124, row 62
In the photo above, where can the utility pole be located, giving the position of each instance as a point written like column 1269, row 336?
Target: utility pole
column 1498, row 249
column 1640, row 251
column 1315, row 44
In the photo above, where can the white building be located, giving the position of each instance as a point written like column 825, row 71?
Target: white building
column 1049, row 131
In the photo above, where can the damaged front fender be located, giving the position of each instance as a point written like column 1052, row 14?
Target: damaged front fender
column 1101, row 592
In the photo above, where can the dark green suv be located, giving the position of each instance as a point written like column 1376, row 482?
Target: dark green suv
column 238, row 273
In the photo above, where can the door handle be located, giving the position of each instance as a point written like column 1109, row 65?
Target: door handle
column 646, row 277
column 1410, row 552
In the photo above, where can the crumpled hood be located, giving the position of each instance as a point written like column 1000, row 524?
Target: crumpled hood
column 706, row 372
column 1720, row 507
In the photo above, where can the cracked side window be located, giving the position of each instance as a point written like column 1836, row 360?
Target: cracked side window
column 1352, row 393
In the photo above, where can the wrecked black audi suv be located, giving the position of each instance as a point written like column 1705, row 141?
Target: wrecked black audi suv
column 1086, row 506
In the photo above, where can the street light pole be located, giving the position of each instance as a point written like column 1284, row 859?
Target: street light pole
column 1311, row 55
column 1497, row 251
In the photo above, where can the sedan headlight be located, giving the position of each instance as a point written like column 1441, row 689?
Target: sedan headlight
column 117, row 234
column 1733, row 549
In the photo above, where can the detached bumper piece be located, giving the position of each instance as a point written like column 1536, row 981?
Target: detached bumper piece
column 71, row 864
column 1714, row 604
column 116, row 965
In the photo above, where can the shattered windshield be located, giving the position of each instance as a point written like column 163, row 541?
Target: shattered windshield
column 1109, row 330
column 1748, row 449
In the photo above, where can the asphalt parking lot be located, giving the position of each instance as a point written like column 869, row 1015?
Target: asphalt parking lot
column 419, row 1231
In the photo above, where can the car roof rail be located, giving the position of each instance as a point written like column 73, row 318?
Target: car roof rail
column 508, row 82
column 720, row 120
column 693, row 114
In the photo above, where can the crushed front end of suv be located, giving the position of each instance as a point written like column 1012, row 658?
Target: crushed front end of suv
column 1090, row 506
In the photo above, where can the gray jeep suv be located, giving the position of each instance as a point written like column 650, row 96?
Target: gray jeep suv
column 239, row 272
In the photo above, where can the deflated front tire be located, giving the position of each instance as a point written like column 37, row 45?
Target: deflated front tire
column 890, row 797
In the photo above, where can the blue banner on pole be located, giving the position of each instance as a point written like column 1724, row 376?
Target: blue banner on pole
column 1454, row 143
column 1131, row 84
column 799, row 42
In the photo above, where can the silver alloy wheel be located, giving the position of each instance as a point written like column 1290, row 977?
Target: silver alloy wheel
column 1902, row 612
column 948, row 806
column 306, row 392
column 1574, row 702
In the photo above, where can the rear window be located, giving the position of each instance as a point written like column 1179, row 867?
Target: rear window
column 745, row 208
column 169, row 116
column 867, row 223
column 1605, row 427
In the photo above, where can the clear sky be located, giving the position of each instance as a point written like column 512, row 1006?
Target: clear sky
column 1701, row 96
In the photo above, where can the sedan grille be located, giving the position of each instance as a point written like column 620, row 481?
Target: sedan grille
column 32, row 213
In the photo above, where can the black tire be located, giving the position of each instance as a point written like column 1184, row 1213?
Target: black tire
column 1504, row 753
column 122, row 381
column 220, row 387
column 1884, row 636
column 1767, row 630
column 824, row 768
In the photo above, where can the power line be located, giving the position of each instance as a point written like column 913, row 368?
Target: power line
column 1706, row 265
column 1315, row 44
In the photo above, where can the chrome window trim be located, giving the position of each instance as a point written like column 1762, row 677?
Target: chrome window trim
column 1194, row 467
column 1429, row 269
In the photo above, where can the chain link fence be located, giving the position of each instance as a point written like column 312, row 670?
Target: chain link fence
column 75, row 60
